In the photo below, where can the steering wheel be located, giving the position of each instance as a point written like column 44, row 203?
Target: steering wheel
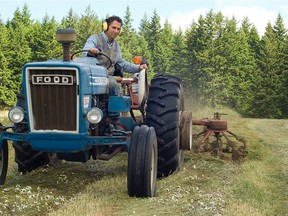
column 103, row 54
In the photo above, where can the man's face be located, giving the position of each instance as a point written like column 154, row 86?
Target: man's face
column 113, row 30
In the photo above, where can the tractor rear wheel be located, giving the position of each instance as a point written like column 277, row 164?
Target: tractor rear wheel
column 186, row 131
column 3, row 162
column 163, row 112
column 142, row 162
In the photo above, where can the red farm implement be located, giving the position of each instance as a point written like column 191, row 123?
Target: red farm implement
column 217, row 139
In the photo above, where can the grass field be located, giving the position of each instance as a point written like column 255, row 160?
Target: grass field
column 206, row 186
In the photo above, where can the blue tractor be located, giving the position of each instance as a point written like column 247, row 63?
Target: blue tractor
column 64, row 112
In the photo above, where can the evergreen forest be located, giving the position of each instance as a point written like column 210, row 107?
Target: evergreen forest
column 221, row 61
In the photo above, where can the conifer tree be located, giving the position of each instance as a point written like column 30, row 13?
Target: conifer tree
column 154, row 30
column 218, row 62
column 167, row 52
column 282, row 57
column 179, row 64
column 265, row 101
column 128, row 37
column 70, row 20
column 19, row 51
column 143, row 42
column 7, row 95
column 88, row 25
column 154, row 42
column 144, row 30
column 44, row 45
column 239, row 66
column 203, row 48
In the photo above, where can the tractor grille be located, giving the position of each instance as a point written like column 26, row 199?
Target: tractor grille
column 53, row 99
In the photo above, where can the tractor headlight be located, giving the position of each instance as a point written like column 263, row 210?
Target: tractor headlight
column 16, row 114
column 94, row 115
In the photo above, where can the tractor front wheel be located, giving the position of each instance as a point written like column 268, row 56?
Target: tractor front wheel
column 27, row 158
column 142, row 162
column 3, row 162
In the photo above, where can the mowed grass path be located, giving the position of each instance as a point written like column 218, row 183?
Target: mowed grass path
column 206, row 186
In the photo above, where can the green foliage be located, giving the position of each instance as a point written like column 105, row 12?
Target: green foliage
column 271, row 79
column 7, row 96
column 44, row 46
column 87, row 25
column 178, row 62
column 219, row 63
column 128, row 38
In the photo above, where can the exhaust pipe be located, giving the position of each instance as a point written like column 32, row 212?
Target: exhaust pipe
column 66, row 37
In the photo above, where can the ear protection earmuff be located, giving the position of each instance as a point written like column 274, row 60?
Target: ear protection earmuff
column 105, row 26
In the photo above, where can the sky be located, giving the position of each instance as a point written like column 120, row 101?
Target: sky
column 179, row 13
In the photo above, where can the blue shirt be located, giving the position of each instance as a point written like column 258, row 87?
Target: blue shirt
column 127, row 66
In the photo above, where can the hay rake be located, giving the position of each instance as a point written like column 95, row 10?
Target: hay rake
column 217, row 139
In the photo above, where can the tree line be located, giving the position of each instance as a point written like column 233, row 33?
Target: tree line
column 221, row 62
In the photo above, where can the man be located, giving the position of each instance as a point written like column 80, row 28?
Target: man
column 105, row 42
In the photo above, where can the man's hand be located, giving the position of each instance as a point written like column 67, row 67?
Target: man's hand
column 94, row 51
column 143, row 66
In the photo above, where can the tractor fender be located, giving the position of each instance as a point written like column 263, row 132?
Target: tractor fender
column 142, row 86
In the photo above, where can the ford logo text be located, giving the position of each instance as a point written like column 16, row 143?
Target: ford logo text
column 52, row 79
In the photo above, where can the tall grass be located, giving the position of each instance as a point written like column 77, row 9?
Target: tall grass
column 262, row 187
